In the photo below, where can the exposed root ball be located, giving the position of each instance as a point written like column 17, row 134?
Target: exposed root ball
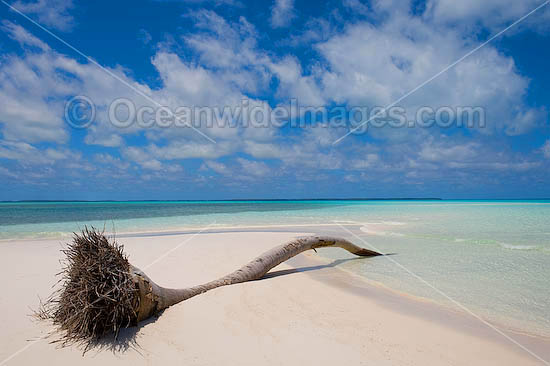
column 97, row 295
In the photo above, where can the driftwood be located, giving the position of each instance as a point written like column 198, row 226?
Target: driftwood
column 101, row 292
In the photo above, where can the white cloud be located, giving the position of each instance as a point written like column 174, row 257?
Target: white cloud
column 35, row 86
column 311, row 150
column 546, row 149
column 494, row 14
column 293, row 84
column 8, row 173
column 20, row 151
column 103, row 139
column 21, row 35
column 444, row 152
column 366, row 162
column 357, row 6
column 362, row 65
column 48, row 13
column 282, row 13
column 375, row 66
column 218, row 167
column 215, row 2
column 471, row 156
column 192, row 150
column 146, row 161
column 107, row 159
column 30, row 155
column 253, row 168
column 144, row 36
column 243, row 170
column 230, row 51
column 140, row 157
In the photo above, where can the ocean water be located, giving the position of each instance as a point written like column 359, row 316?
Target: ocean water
column 490, row 257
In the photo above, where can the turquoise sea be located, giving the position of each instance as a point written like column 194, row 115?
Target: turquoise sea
column 492, row 257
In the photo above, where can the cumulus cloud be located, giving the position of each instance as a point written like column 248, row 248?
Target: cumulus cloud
column 545, row 149
column 254, row 168
column 238, row 170
column 223, row 64
column 144, row 36
column 282, row 13
column 375, row 66
column 217, row 167
column 21, row 35
column 357, row 6
column 215, row 2
column 35, row 87
column 54, row 14
column 494, row 14
column 445, row 152
column 312, row 150
column 146, row 161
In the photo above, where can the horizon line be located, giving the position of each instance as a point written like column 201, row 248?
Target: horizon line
column 287, row 199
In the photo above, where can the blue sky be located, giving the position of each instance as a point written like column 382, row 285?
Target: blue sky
column 338, row 55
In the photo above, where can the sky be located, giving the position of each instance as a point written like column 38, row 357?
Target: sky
column 127, row 100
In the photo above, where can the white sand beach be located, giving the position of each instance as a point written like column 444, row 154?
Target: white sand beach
column 307, row 312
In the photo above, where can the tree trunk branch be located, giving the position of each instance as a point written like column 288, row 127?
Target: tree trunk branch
column 154, row 298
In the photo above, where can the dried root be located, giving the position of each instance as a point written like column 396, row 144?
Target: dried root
column 97, row 294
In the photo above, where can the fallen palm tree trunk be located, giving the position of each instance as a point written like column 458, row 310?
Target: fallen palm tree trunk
column 101, row 292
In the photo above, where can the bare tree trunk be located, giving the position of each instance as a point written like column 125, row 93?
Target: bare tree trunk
column 154, row 298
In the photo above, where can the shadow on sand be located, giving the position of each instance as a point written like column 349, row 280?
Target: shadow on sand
column 284, row 272
column 127, row 340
